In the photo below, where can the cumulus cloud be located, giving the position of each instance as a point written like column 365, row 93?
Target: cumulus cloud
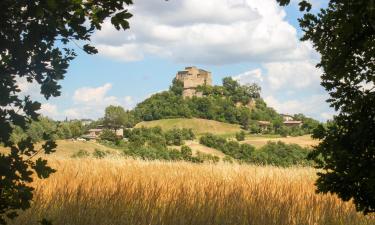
column 49, row 110
column 291, row 87
column 297, row 74
column 210, row 32
column 94, row 95
column 90, row 102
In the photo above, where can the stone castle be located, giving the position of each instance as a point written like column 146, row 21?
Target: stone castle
column 192, row 77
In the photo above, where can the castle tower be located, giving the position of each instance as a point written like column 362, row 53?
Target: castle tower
column 192, row 77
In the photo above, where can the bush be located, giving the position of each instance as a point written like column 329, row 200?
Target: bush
column 81, row 154
column 240, row 136
column 228, row 159
column 99, row 154
column 108, row 135
column 204, row 157
column 281, row 154
column 273, row 153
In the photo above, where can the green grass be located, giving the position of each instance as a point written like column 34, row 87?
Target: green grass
column 199, row 126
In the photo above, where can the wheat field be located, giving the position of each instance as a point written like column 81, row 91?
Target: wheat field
column 118, row 191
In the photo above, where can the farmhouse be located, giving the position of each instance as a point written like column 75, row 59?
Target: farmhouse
column 96, row 132
column 192, row 77
column 264, row 125
column 290, row 122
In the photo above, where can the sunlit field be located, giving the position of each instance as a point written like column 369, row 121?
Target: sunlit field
column 119, row 191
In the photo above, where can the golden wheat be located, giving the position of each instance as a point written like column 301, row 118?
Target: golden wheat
column 118, row 191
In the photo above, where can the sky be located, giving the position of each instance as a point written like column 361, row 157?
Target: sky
column 249, row 40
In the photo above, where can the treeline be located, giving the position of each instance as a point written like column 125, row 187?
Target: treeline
column 273, row 153
column 38, row 129
column 156, row 144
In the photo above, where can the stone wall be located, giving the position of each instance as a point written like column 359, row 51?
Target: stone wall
column 192, row 77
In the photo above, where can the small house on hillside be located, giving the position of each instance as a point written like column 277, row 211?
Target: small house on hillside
column 290, row 122
column 264, row 125
column 96, row 132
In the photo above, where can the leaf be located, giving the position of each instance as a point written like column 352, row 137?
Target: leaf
column 41, row 168
column 90, row 49
column 304, row 6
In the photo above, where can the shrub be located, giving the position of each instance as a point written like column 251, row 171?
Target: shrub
column 81, row 154
column 99, row 154
column 281, row 154
column 228, row 159
column 204, row 157
column 240, row 136
column 231, row 148
column 108, row 135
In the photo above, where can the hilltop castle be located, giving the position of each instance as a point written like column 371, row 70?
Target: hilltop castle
column 192, row 77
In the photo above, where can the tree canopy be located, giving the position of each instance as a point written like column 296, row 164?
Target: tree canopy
column 36, row 39
column 344, row 35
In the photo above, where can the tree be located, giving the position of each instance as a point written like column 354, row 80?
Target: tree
column 35, row 45
column 177, row 87
column 344, row 35
column 114, row 117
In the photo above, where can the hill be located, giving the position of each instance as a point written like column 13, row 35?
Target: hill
column 303, row 141
column 199, row 126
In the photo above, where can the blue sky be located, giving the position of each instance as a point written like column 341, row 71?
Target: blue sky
column 250, row 40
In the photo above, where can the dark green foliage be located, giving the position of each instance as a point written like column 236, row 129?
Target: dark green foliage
column 344, row 35
column 35, row 45
column 277, row 154
column 177, row 87
column 108, row 135
column 162, row 106
column 116, row 117
column 240, row 136
column 281, row 154
column 177, row 136
column 57, row 130
column 232, row 148
column 152, row 143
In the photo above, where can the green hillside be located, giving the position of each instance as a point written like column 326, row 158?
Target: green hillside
column 199, row 126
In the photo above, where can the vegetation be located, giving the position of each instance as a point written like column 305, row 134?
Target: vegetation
column 240, row 136
column 153, row 143
column 230, row 103
column 116, row 117
column 37, row 130
column 36, row 39
column 273, row 153
column 81, row 154
column 344, row 35
column 238, row 151
column 198, row 126
column 117, row 191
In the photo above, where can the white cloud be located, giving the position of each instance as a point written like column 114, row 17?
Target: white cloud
column 28, row 88
column 210, row 31
column 291, row 87
column 94, row 96
column 313, row 106
column 299, row 74
column 49, row 110
column 249, row 77
column 90, row 102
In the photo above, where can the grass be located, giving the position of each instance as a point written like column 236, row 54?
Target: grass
column 199, row 126
column 66, row 148
column 114, row 191
column 259, row 141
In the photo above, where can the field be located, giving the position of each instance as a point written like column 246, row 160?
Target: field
column 116, row 191
column 259, row 141
column 199, row 126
